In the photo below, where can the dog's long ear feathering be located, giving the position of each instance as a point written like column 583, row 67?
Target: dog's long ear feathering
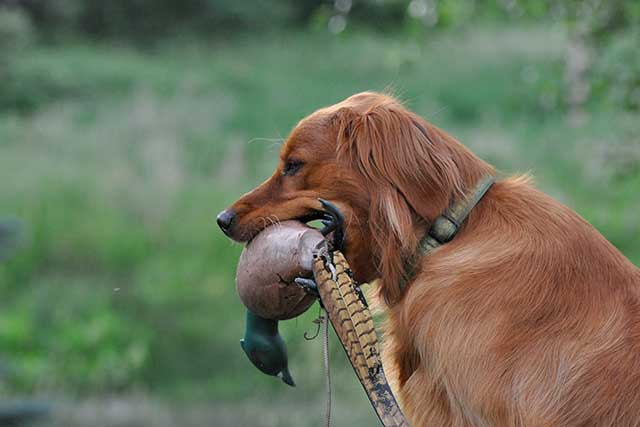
column 412, row 170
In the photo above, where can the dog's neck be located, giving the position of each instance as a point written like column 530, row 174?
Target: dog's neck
column 445, row 227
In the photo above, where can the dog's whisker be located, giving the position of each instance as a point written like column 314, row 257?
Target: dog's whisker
column 273, row 140
column 275, row 220
column 439, row 111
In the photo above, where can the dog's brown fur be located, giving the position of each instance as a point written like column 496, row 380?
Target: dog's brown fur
column 529, row 317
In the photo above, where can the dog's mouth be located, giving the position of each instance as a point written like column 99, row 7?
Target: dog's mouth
column 310, row 219
column 329, row 221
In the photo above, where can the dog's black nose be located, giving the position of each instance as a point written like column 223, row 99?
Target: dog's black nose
column 225, row 219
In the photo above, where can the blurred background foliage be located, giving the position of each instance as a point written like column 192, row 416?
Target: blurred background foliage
column 126, row 125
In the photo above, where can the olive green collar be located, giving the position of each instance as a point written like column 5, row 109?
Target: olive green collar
column 446, row 226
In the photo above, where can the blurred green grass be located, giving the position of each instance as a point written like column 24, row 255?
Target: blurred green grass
column 120, row 159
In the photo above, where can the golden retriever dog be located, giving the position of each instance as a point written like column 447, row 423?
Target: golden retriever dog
column 528, row 317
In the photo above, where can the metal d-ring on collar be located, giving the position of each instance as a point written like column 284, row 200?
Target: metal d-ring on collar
column 446, row 226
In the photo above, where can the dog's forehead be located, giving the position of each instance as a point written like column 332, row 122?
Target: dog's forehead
column 308, row 136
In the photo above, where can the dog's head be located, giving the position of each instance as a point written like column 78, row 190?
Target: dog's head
column 386, row 169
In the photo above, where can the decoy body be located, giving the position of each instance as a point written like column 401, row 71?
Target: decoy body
column 266, row 284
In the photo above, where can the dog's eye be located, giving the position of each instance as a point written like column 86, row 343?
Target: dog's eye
column 291, row 167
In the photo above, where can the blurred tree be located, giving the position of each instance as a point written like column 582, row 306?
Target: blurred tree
column 603, row 57
column 15, row 31
column 148, row 19
column 601, row 33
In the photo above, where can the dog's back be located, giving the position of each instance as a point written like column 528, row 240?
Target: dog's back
column 529, row 317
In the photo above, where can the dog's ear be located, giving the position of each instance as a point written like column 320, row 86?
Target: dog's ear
column 408, row 175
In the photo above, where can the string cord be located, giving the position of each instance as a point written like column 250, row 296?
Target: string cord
column 325, row 349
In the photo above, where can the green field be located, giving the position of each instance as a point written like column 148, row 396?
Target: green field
column 117, row 160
